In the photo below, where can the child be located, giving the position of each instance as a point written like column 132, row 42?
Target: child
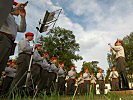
column 93, row 82
column 87, row 79
column 80, row 82
column 100, row 78
column 114, row 79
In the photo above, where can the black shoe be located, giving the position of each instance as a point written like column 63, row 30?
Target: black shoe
column 125, row 88
column 48, row 94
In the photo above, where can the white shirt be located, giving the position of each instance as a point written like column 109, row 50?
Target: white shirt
column 113, row 74
column 93, row 79
column 80, row 80
column 86, row 76
column 100, row 76
column 118, row 51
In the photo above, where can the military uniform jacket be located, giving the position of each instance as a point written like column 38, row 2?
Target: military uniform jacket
column 10, row 72
column 11, row 27
column 61, row 72
column 24, row 47
column 53, row 68
column 37, row 59
column 72, row 74
column 45, row 65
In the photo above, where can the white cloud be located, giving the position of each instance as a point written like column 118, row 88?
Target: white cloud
column 82, row 8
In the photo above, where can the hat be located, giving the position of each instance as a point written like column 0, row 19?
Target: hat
column 99, row 68
column 15, row 3
column 112, row 67
column 81, row 73
column 29, row 34
column 71, row 66
column 86, row 69
column 11, row 61
column 117, row 41
column 38, row 45
column 46, row 53
column 53, row 58
column 61, row 63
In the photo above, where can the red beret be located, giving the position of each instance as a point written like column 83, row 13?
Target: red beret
column 117, row 41
column 86, row 69
column 99, row 68
column 11, row 62
column 61, row 63
column 53, row 58
column 71, row 66
column 29, row 34
column 46, row 53
column 112, row 67
column 38, row 45
column 81, row 73
column 15, row 3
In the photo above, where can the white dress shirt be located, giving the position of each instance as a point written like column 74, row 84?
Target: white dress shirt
column 118, row 51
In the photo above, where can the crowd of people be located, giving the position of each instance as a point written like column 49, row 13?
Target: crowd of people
column 47, row 75
column 50, row 77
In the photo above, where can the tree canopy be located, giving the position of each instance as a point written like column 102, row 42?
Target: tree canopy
column 92, row 66
column 61, row 43
column 128, row 46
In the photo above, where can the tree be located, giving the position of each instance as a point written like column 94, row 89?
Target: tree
column 128, row 46
column 92, row 66
column 61, row 43
column 111, row 59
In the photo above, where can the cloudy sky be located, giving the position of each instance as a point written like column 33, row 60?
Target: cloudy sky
column 95, row 23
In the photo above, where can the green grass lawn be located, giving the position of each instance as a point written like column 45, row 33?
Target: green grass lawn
column 109, row 96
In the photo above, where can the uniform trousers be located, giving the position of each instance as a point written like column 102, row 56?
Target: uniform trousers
column 81, row 88
column 101, row 86
column 61, row 85
column 122, row 72
column 7, row 83
column 23, row 65
column 93, row 88
column 86, row 86
column 115, row 84
column 42, row 85
column 51, row 83
column 5, row 50
column 35, row 74
column 70, row 86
